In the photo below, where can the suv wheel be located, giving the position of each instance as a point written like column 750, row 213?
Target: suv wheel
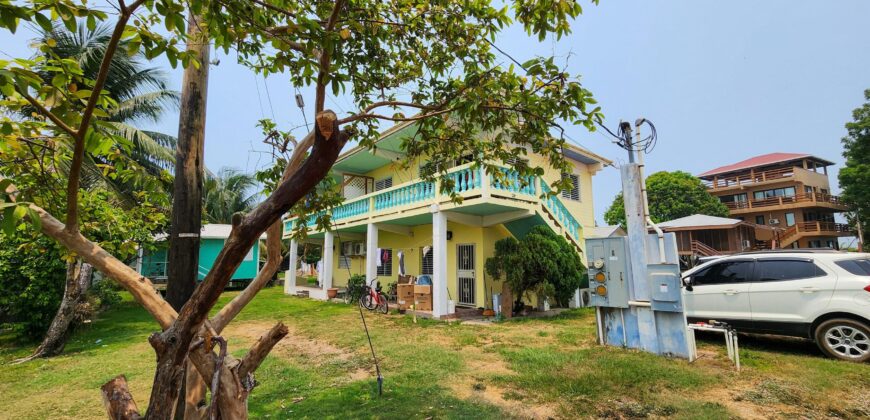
column 844, row 339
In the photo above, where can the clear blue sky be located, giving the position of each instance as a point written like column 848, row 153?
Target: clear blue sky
column 722, row 81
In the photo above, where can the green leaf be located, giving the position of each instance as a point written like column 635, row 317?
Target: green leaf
column 34, row 218
column 43, row 22
column 9, row 221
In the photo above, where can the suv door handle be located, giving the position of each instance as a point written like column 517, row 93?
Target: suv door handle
column 809, row 289
column 731, row 292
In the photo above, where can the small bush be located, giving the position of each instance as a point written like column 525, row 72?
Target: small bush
column 105, row 294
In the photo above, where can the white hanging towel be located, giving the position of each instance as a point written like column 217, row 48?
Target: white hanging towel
column 378, row 257
column 426, row 250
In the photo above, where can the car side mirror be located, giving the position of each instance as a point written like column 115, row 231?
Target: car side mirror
column 688, row 283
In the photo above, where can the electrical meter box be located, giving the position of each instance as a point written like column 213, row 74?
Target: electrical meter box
column 609, row 271
column 664, row 286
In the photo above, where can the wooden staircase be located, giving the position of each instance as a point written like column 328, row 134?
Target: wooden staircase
column 702, row 249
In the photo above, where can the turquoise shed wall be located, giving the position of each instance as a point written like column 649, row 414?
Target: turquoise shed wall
column 154, row 261
column 208, row 252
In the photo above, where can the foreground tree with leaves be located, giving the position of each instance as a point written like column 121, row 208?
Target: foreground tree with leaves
column 432, row 59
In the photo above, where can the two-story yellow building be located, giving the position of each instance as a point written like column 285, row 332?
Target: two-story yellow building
column 391, row 214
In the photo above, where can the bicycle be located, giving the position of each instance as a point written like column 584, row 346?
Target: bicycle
column 373, row 299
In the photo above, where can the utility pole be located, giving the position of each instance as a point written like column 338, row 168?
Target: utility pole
column 637, row 278
column 183, row 258
column 860, row 232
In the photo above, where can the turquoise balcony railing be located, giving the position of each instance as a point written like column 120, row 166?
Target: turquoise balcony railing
column 402, row 196
column 465, row 179
column 351, row 209
column 560, row 212
column 467, row 182
column 511, row 181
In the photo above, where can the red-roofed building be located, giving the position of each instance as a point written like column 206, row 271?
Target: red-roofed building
column 789, row 191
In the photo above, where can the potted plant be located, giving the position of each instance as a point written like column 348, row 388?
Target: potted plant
column 332, row 292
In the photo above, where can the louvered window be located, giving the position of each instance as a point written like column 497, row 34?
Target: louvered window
column 426, row 262
column 343, row 261
column 383, row 184
column 386, row 259
column 574, row 192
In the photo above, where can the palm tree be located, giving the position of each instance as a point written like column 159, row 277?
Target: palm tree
column 140, row 91
column 230, row 191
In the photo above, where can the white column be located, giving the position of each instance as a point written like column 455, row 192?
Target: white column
column 290, row 276
column 439, row 262
column 371, row 252
column 328, row 253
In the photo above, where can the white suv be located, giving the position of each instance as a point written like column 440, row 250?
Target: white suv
column 820, row 295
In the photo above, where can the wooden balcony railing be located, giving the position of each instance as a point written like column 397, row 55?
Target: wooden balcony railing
column 779, row 201
column 749, row 178
column 811, row 227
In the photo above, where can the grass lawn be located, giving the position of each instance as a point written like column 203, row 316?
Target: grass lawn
column 533, row 368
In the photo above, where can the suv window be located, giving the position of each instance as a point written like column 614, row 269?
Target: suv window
column 781, row 270
column 859, row 267
column 727, row 272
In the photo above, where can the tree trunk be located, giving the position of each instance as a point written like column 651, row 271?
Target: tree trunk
column 118, row 401
column 183, row 258
column 78, row 278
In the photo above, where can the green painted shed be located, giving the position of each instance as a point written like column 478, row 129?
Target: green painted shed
column 153, row 264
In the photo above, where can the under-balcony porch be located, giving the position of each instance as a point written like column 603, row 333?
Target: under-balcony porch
column 417, row 229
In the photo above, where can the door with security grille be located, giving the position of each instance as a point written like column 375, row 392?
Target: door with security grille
column 465, row 274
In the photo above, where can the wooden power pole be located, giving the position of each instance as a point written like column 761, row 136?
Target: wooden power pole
column 183, row 258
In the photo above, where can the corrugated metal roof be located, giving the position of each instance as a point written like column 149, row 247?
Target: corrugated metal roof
column 699, row 220
column 211, row 231
column 768, row 159
column 603, row 231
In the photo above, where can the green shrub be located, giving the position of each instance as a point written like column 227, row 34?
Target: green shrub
column 32, row 277
column 104, row 293
column 355, row 286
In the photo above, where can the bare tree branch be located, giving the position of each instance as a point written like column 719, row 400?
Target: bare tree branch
column 417, row 117
column 48, row 114
column 72, row 197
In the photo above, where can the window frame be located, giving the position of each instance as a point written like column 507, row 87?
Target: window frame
column 386, row 268
column 384, row 180
column 820, row 272
column 575, row 190
column 749, row 276
column 793, row 220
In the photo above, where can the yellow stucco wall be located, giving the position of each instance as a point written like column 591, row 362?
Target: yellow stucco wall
column 482, row 238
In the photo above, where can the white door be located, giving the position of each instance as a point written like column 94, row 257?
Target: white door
column 789, row 290
column 721, row 292
column 465, row 274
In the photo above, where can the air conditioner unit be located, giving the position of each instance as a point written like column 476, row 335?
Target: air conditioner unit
column 359, row 248
column 773, row 221
column 347, row 248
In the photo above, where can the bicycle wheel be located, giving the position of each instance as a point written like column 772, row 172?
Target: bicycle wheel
column 367, row 302
column 383, row 307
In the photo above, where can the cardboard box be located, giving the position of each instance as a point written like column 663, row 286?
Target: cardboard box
column 405, row 292
column 423, row 301
column 427, row 290
column 424, row 305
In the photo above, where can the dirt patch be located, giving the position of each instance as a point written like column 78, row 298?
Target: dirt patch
column 472, row 389
column 297, row 346
column 730, row 399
